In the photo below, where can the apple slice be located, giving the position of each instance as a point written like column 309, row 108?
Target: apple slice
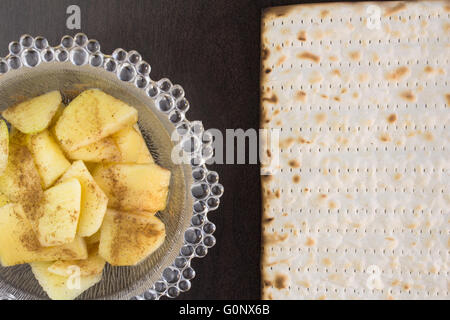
column 35, row 115
column 93, row 199
column 134, row 187
column 128, row 238
column 90, row 117
column 132, row 146
column 93, row 265
column 59, row 220
column 19, row 244
column 49, row 158
column 62, row 287
column 104, row 150
column 20, row 183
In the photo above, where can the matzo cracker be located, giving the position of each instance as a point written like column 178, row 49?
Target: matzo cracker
column 359, row 208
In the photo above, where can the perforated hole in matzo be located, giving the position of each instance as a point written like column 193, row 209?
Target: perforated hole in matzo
column 359, row 205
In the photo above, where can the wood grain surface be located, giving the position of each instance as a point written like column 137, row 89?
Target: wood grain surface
column 212, row 49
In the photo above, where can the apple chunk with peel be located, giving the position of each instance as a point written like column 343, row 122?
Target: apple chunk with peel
column 90, row 117
column 49, row 158
column 134, row 187
column 21, row 183
column 4, row 146
column 19, row 244
column 93, row 199
column 132, row 146
column 93, row 265
column 127, row 238
column 62, row 287
column 61, row 211
column 35, row 115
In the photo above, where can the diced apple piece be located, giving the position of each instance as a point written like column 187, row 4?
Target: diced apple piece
column 93, row 265
column 49, row 158
column 19, row 138
column 104, row 150
column 19, row 244
column 95, row 238
column 58, row 223
column 62, row 287
column 35, row 115
column 128, row 238
column 90, row 117
column 134, row 187
column 132, row 146
column 93, row 199
column 4, row 146
column 3, row 199
column 21, row 183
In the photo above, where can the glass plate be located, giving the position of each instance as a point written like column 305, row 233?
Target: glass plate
column 33, row 67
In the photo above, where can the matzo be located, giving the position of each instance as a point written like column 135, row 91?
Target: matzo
column 359, row 207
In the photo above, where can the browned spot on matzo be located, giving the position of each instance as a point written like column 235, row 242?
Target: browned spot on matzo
column 408, row 96
column 272, row 99
column 336, row 72
column 324, row 14
column 355, row 55
column 281, row 281
column 265, row 54
column 276, row 12
column 303, row 140
column 286, row 143
column 428, row 136
column 385, row 137
column 301, row 96
column 395, row 9
column 267, row 283
column 392, row 118
column 428, row 69
column 321, row 117
column 294, row 163
column 301, row 36
column 326, row 262
column 397, row 74
column 268, row 220
column 332, row 205
column 296, row 179
column 309, row 242
column 333, row 58
column 275, row 238
column 281, row 60
column 309, row 56
column 447, row 98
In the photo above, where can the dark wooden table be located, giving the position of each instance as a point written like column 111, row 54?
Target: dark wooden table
column 211, row 48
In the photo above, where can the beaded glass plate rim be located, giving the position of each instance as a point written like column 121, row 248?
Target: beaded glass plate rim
column 169, row 99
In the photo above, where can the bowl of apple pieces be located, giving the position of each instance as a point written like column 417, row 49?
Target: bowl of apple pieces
column 92, row 203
